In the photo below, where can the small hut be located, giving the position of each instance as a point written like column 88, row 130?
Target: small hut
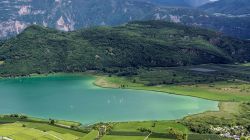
column 102, row 130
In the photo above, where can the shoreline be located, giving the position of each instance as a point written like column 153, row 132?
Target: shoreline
column 201, row 92
column 102, row 82
column 221, row 106
column 115, row 86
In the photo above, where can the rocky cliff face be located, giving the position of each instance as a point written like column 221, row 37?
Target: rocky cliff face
column 196, row 3
column 68, row 15
column 18, row 14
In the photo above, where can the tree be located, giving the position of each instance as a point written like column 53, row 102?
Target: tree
column 243, row 138
column 178, row 134
column 51, row 122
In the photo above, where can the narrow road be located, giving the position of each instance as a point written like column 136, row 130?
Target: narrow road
column 147, row 136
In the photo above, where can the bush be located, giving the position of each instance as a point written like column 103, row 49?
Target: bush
column 144, row 130
column 51, row 122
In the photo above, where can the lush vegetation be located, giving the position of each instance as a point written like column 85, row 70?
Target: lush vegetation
column 152, row 130
column 227, row 83
column 21, row 127
column 137, row 44
column 214, row 82
column 231, row 114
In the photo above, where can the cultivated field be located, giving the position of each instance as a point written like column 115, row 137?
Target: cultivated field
column 19, row 131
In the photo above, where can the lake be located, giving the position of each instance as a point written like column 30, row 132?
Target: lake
column 74, row 97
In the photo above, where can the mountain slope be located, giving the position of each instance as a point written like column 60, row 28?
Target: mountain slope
column 137, row 44
column 229, row 7
column 16, row 15
column 169, row 3
column 196, row 3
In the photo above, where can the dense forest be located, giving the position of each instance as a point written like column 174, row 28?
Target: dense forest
column 137, row 44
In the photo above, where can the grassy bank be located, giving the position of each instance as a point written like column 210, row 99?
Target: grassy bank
column 218, row 91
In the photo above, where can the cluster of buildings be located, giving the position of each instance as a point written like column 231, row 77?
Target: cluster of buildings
column 234, row 132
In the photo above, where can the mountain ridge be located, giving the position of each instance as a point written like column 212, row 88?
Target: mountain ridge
column 136, row 44
column 72, row 15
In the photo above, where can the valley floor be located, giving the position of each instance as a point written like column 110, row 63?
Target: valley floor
column 228, row 84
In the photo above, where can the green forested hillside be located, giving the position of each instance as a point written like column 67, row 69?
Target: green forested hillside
column 137, row 44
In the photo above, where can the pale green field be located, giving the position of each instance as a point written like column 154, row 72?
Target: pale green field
column 246, row 64
column 159, row 139
column 228, row 110
column 46, row 127
column 90, row 136
column 67, row 123
column 111, row 137
column 157, row 126
column 18, row 131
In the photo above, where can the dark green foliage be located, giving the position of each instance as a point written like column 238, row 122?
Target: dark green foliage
column 199, row 127
column 51, row 122
column 202, row 125
column 144, row 130
column 248, row 127
column 128, row 47
column 185, row 74
column 13, row 118
column 205, row 137
column 17, row 116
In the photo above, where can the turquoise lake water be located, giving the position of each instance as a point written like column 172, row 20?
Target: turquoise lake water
column 75, row 98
